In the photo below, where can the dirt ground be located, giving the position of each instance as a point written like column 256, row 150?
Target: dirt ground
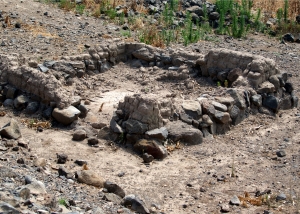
column 192, row 179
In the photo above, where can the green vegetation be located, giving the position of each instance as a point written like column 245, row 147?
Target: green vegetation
column 63, row 202
column 235, row 19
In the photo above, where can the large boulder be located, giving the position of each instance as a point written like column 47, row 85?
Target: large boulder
column 179, row 131
column 90, row 177
column 66, row 116
column 11, row 130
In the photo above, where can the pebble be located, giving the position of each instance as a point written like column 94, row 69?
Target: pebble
column 235, row 201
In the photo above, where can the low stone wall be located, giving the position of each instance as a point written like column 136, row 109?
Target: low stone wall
column 47, row 87
column 253, row 82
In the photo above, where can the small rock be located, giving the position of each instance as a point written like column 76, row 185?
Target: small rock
column 147, row 158
column 90, row 177
column 151, row 147
column 114, row 188
column 235, row 201
column 11, row 130
column 66, row 116
column 39, row 162
column 225, row 208
column 80, row 162
column 135, row 203
column 93, row 141
column 62, row 158
column 281, row 153
column 281, row 197
column 79, row 135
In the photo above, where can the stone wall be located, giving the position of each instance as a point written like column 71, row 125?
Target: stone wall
column 47, row 87
column 254, row 83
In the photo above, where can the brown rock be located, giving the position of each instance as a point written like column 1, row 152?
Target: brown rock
column 90, row 177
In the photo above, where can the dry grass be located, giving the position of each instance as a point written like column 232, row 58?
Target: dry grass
column 270, row 7
column 38, row 30
column 34, row 123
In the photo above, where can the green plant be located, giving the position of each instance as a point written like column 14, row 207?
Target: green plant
column 67, row 5
column 80, row 8
column 63, row 202
column 285, row 10
column 126, row 33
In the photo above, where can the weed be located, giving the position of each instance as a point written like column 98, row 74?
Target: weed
column 63, row 202
column 80, row 8
column 126, row 33
column 67, row 5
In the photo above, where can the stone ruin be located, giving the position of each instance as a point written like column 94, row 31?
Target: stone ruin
column 253, row 83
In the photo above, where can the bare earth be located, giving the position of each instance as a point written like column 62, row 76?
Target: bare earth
column 187, row 180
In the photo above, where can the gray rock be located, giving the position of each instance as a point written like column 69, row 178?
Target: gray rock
column 21, row 102
column 208, row 108
column 147, row 158
column 225, row 208
column 80, row 162
column 271, row 102
column 62, row 158
column 160, row 134
column 32, row 107
column 281, row 153
column 239, row 99
column 83, row 110
column 266, row 87
column 114, row 188
column 135, row 204
column 7, row 172
column 235, row 201
column 222, row 117
column 234, row 74
column 8, row 103
column 222, row 75
column 186, row 118
column 219, row 106
column 36, row 187
column 206, row 121
column 192, row 108
column 115, row 127
column 152, row 147
column 196, row 9
column 47, row 113
column 79, row 135
column 256, row 100
column 39, row 162
column 286, row 103
column 236, row 115
column 11, row 130
column 275, row 81
column 112, row 197
column 288, row 87
column 7, row 208
column 295, row 101
column 93, row 141
column 43, row 68
column 143, row 54
column 214, row 16
column 184, row 133
column 135, row 127
column 281, row 197
column 90, row 177
column 11, row 92
column 66, row 116
column 76, row 100
column 136, row 64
